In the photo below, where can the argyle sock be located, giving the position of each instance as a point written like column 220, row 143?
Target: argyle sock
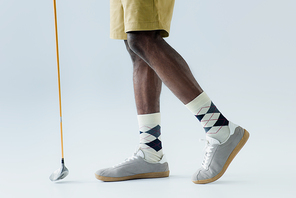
column 212, row 120
column 150, row 139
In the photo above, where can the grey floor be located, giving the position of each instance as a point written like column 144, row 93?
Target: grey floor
column 242, row 54
column 264, row 168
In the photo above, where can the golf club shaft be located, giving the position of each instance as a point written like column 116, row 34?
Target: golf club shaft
column 59, row 81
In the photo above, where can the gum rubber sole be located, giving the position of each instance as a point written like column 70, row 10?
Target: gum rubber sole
column 138, row 176
column 230, row 158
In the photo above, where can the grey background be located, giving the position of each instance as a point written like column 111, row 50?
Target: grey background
column 241, row 52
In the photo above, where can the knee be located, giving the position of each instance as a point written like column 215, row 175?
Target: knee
column 135, row 58
column 128, row 48
column 139, row 41
column 135, row 42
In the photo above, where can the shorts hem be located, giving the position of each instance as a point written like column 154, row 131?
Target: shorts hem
column 144, row 26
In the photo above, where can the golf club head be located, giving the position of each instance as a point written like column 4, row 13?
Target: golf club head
column 59, row 174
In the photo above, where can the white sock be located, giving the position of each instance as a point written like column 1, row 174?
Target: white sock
column 212, row 120
column 150, row 136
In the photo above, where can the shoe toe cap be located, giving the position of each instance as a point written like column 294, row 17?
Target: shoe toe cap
column 109, row 172
column 201, row 174
column 196, row 176
column 101, row 172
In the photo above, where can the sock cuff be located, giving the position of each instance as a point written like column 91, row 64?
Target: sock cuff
column 149, row 120
column 197, row 103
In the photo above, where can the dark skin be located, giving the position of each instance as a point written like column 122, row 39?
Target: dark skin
column 154, row 62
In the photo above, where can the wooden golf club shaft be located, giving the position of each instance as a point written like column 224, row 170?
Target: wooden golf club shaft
column 59, row 81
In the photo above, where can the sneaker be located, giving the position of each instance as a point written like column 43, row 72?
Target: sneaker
column 218, row 155
column 135, row 167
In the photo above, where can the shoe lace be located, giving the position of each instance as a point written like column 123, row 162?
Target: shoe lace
column 127, row 160
column 208, row 150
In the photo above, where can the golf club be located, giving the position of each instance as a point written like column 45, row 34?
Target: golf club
column 62, row 172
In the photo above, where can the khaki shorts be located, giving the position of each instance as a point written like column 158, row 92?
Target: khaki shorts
column 140, row 15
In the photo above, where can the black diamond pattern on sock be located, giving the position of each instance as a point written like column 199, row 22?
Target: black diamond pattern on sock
column 200, row 117
column 222, row 121
column 207, row 128
column 213, row 109
column 156, row 144
column 154, row 131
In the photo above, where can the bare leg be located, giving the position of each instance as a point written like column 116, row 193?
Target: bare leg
column 147, row 85
column 166, row 62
